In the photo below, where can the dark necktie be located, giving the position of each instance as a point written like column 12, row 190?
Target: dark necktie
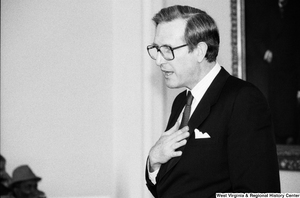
column 187, row 110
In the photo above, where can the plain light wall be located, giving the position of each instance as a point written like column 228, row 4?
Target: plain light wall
column 56, row 79
column 78, row 92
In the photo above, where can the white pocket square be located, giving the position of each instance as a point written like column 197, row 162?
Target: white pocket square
column 200, row 135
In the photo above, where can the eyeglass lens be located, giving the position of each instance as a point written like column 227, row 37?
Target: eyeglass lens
column 165, row 51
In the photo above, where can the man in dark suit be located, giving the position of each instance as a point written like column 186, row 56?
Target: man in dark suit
column 227, row 144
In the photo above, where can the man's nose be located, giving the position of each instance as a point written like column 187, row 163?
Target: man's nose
column 159, row 59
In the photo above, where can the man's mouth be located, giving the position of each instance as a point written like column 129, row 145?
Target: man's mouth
column 167, row 73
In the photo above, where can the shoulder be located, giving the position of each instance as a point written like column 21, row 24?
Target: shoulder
column 238, row 83
column 247, row 99
column 240, row 86
column 239, row 91
column 230, row 84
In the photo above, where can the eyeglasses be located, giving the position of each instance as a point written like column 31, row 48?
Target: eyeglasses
column 165, row 50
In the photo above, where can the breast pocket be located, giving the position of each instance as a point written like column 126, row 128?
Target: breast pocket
column 202, row 144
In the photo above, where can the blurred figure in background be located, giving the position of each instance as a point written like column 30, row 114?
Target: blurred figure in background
column 272, row 47
column 281, row 52
column 4, row 177
column 24, row 184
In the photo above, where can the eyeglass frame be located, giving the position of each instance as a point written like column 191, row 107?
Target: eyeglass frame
column 158, row 50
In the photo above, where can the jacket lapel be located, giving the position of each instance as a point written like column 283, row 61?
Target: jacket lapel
column 200, row 114
column 208, row 100
column 177, row 108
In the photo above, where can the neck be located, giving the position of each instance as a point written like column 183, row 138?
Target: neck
column 206, row 67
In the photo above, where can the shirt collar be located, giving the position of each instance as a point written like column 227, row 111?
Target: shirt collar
column 199, row 90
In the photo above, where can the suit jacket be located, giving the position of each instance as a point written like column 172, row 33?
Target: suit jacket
column 239, row 156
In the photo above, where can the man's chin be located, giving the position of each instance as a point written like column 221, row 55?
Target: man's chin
column 172, row 86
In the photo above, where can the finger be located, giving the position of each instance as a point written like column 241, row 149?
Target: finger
column 173, row 129
column 180, row 134
column 183, row 135
column 184, row 129
column 179, row 140
column 179, row 144
column 177, row 154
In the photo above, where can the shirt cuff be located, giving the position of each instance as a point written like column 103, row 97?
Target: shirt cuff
column 152, row 175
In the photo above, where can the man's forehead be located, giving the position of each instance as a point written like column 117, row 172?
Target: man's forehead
column 170, row 33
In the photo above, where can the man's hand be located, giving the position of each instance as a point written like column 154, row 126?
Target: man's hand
column 165, row 148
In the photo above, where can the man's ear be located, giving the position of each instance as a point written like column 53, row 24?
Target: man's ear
column 201, row 51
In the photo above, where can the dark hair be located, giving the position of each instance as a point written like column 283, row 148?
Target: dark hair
column 200, row 27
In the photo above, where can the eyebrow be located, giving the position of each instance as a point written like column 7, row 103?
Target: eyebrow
column 154, row 44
